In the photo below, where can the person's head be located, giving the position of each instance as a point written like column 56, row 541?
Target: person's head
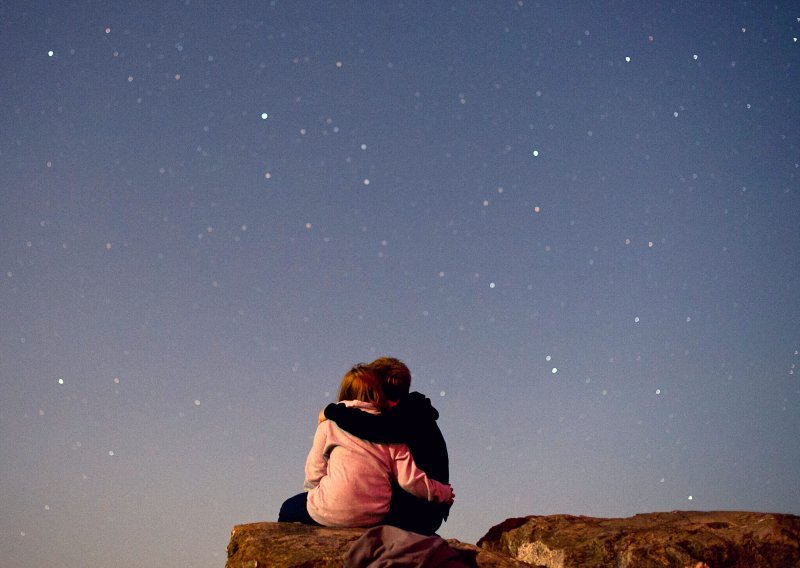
column 361, row 383
column 394, row 377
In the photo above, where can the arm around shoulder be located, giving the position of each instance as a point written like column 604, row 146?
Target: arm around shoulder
column 379, row 428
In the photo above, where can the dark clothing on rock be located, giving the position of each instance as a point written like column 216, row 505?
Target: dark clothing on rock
column 294, row 510
column 412, row 422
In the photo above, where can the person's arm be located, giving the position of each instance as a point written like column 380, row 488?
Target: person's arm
column 378, row 428
column 317, row 461
column 413, row 480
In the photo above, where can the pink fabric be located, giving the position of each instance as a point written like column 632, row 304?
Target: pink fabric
column 349, row 479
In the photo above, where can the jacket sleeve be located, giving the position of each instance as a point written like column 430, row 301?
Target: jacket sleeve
column 317, row 461
column 412, row 479
column 379, row 428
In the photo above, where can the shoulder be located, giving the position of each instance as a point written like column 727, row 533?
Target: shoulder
column 417, row 405
column 325, row 427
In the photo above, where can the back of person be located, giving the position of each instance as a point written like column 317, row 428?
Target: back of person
column 423, row 436
column 427, row 445
column 350, row 481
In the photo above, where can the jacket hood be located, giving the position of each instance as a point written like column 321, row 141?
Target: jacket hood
column 361, row 405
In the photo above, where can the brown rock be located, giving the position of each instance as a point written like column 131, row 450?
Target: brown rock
column 291, row 545
column 680, row 539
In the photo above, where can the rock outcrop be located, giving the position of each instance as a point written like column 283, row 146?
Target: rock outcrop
column 290, row 545
column 678, row 539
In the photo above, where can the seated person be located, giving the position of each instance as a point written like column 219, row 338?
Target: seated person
column 348, row 480
column 409, row 419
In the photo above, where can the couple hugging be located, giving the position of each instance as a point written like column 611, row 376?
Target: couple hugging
column 378, row 457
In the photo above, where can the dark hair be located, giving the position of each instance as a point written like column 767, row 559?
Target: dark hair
column 394, row 377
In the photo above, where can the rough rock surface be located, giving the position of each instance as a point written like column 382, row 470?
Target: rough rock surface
column 290, row 545
column 677, row 539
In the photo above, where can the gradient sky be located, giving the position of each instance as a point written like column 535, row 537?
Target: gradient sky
column 578, row 223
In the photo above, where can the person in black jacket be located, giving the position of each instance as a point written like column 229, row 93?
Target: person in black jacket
column 410, row 418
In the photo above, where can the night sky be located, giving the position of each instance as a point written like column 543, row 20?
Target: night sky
column 578, row 223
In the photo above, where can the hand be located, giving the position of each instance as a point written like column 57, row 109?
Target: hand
column 452, row 496
column 321, row 418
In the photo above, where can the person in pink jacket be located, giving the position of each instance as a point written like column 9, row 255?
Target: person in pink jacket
column 348, row 481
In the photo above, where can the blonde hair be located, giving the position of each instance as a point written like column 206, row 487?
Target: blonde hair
column 360, row 383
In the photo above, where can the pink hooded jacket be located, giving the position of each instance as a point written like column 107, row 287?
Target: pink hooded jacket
column 349, row 480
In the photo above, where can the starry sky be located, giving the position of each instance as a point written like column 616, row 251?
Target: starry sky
column 576, row 222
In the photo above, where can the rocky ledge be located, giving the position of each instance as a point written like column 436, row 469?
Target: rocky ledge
column 291, row 545
column 680, row 539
